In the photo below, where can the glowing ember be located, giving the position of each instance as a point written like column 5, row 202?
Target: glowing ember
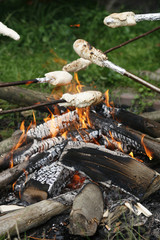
column 148, row 152
column 77, row 181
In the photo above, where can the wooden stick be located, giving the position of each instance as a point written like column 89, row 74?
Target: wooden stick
column 18, row 83
column 131, row 40
column 86, row 51
column 30, row 217
column 107, row 51
column 32, row 107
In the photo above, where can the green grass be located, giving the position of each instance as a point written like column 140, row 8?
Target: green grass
column 46, row 34
column 46, row 27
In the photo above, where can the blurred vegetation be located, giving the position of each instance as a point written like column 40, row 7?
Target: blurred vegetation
column 47, row 34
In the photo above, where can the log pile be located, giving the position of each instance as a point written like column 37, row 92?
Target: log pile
column 61, row 155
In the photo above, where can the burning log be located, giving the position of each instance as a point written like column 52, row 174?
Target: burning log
column 21, row 170
column 52, row 127
column 110, row 129
column 13, row 157
column 32, row 216
column 7, row 144
column 86, row 51
column 101, row 165
column 129, row 19
column 87, row 211
column 50, row 179
column 10, row 175
column 132, row 120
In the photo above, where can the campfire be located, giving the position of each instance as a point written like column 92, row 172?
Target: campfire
column 89, row 166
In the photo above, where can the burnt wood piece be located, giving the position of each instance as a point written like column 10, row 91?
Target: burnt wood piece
column 30, row 217
column 13, row 156
column 119, row 133
column 151, row 143
column 37, row 162
column 87, row 211
column 144, row 125
column 53, row 126
column 101, row 164
column 51, row 179
column 7, row 144
column 9, row 176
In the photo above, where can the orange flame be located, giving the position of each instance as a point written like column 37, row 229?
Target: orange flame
column 107, row 98
column 21, row 140
column 132, row 155
column 148, row 152
column 119, row 145
column 75, row 25
column 79, row 85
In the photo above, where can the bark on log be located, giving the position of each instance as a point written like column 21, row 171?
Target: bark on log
column 152, row 115
column 151, row 143
column 30, row 217
column 7, row 144
column 87, row 211
column 23, row 96
column 10, row 175
column 102, row 164
column 140, row 123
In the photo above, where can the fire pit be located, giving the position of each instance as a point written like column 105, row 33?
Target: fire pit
column 91, row 169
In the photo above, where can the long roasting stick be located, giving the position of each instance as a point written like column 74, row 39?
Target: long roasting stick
column 21, row 109
column 86, row 51
column 57, row 78
column 38, row 80
column 79, row 100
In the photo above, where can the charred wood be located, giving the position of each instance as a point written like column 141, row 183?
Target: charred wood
column 87, row 211
column 10, row 175
column 101, row 165
column 142, row 124
column 30, row 217
column 13, row 156
column 50, row 179
column 20, row 171
column 37, row 162
column 111, row 129
column 52, row 127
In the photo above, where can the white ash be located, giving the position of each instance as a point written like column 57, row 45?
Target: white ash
column 86, row 51
column 36, row 162
column 77, row 65
column 82, row 99
column 120, row 19
column 5, row 31
column 53, row 126
column 58, row 78
column 55, row 175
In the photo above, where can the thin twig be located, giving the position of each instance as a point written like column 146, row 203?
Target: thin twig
column 32, row 107
column 131, row 40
